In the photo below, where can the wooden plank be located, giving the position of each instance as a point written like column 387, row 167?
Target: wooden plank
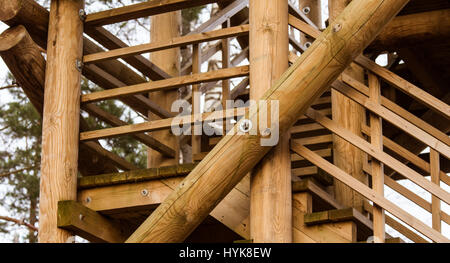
column 435, row 202
column 303, row 171
column 173, row 43
column 303, row 27
column 398, row 110
column 376, row 129
column 158, row 124
column 196, row 102
column 417, row 93
column 379, row 155
column 414, row 159
column 61, row 117
column 115, row 121
column 236, row 155
column 88, row 224
column 118, row 161
column 166, row 84
column 412, row 235
column 369, row 194
column 393, row 118
column 150, row 8
column 315, row 140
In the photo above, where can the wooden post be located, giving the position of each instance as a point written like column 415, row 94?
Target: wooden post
column 435, row 201
column 196, row 128
column 165, row 27
column 225, row 82
column 350, row 115
column 60, row 131
column 376, row 138
column 236, row 155
column 271, row 194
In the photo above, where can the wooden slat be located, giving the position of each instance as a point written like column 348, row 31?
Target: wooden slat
column 405, row 86
column 369, row 193
column 379, row 155
column 175, row 42
column 115, row 121
column 376, row 140
column 315, row 140
column 393, row 118
column 304, row 27
column 435, row 202
column 413, row 236
column 411, row 196
column 155, row 125
column 166, row 84
column 414, row 159
column 88, row 224
column 303, row 171
column 398, row 110
column 145, row 9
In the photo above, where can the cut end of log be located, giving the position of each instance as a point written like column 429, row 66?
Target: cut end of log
column 11, row 37
column 9, row 9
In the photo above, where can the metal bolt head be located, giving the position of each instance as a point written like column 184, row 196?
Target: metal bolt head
column 79, row 65
column 144, row 192
column 266, row 132
column 306, row 10
column 245, row 126
column 337, row 27
column 82, row 217
column 308, row 44
column 82, row 14
column 88, row 199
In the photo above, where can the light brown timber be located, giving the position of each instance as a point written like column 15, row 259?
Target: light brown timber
column 236, row 155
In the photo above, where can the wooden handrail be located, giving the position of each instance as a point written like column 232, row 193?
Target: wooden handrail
column 175, row 42
column 369, row 193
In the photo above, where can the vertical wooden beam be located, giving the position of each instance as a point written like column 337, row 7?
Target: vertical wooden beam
column 196, row 128
column 377, row 167
column 350, row 115
column 61, row 116
column 271, row 195
column 435, row 202
column 225, row 64
column 165, row 27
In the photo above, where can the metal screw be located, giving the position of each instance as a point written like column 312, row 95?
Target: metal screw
column 81, row 217
column 144, row 192
column 337, row 28
column 245, row 126
column 88, row 199
column 79, row 65
column 308, row 44
column 306, row 10
column 266, row 132
column 82, row 14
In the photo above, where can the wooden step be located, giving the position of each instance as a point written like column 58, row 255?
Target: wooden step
column 364, row 225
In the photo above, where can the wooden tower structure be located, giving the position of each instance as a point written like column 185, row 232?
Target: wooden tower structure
column 347, row 126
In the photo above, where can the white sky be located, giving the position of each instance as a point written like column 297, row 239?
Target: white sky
column 390, row 194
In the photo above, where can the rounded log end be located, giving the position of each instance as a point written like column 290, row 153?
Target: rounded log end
column 12, row 36
column 9, row 9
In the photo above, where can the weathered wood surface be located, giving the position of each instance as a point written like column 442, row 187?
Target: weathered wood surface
column 61, row 116
column 236, row 155
column 270, row 188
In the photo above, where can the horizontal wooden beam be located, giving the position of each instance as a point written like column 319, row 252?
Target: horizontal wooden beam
column 159, row 124
column 88, row 224
column 134, row 176
column 115, row 121
column 175, row 42
column 150, row 8
column 166, row 84
column 369, row 194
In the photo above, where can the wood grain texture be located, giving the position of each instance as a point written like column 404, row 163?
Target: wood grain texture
column 60, row 131
column 236, row 155
column 271, row 194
